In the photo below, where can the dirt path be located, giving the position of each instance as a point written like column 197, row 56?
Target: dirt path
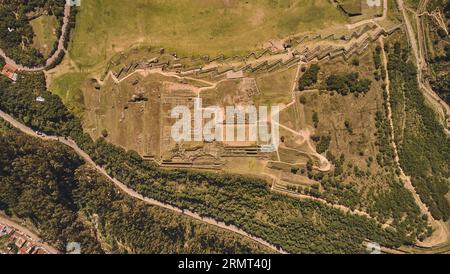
column 436, row 15
column 131, row 192
column 440, row 235
column 422, row 64
column 342, row 208
column 55, row 54
column 325, row 165
column 31, row 235
column 289, row 54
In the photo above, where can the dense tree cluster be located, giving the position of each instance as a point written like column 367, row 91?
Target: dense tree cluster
column 57, row 60
column 239, row 200
column 442, row 86
column 393, row 204
column 323, row 143
column 387, row 200
column 386, row 155
column 441, row 81
column 309, row 77
column 440, row 61
column 315, row 119
column 424, row 148
column 4, row 126
column 48, row 185
column 16, row 33
column 19, row 99
column 397, row 200
column 36, row 179
column 348, row 82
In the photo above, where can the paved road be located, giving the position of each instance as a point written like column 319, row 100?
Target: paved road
column 35, row 238
column 131, row 192
column 64, row 29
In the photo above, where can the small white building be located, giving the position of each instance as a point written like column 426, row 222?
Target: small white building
column 267, row 148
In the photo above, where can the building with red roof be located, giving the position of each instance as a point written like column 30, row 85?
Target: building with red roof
column 10, row 72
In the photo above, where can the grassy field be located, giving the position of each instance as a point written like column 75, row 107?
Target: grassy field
column 276, row 87
column 194, row 27
column 351, row 6
column 68, row 87
column 44, row 28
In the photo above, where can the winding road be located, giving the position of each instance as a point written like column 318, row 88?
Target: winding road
column 130, row 191
column 55, row 55
column 440, row 235
column 31, row 235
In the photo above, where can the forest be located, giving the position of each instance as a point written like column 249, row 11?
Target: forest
column 345, row 83
column 16, row 33
column 440, row 80
column 380, row 192
column 47, row 184
column 309, row 77
column 19, row 99
column 248, row 203
column 424, row 147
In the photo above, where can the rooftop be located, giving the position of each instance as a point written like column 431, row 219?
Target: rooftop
column 10, row 72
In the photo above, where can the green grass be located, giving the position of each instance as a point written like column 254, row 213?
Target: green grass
column 68, row 87
column 192, row 27
column 44, row 29
column 275, row 88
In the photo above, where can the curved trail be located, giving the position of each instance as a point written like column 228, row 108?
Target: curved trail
column 55, row 55
column 436, row 15
column 421, row 65
column 28, row 233
column 440, row 234
column 325, row 164
column 130, row 191
column 340, row 207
